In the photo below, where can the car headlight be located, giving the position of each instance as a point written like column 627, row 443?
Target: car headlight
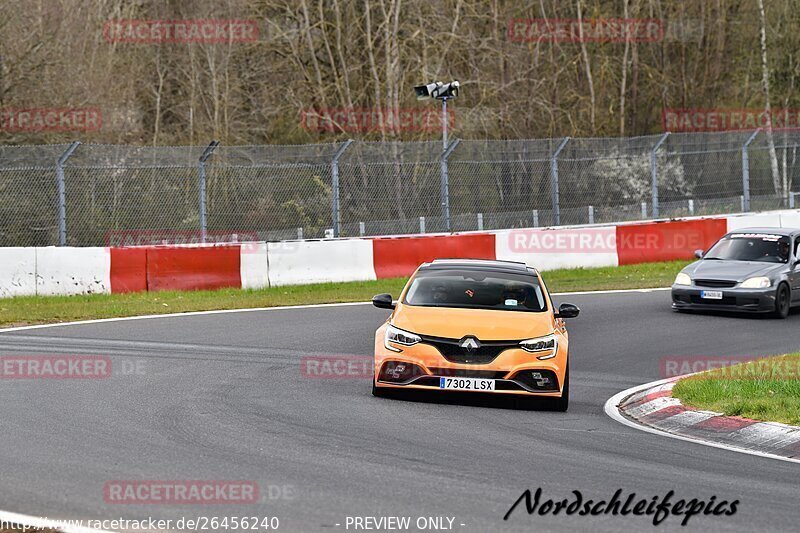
column 683, row 279
column 398, row 336
column 547, row 344
column 760, row 282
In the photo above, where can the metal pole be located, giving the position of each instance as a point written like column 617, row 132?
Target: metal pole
column 62, row 193
column 336, row 218
column 654, row 173
column 445, row 186
column 444, row 123
column 591, row 214
column 554, row 182
column 202, row 188
column 746, row 172
column 480, row 221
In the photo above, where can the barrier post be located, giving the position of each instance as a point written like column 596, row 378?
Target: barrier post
column 654, row 173
column 202, row 188
column 62, row 193
column 591, row 214
column 554, row 182
column 336, row 217
column 746, row 172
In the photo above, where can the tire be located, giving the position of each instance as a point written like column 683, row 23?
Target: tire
column 783, row 299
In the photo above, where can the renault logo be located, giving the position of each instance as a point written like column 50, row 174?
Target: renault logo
column 470, row 344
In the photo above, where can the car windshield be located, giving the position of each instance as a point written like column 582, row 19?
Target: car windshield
column 751, row 247
column 476, row 290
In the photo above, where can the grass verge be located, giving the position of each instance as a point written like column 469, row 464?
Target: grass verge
column 48, row 309
column 764, row 389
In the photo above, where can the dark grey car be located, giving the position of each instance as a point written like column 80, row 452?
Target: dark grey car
column 752, row 269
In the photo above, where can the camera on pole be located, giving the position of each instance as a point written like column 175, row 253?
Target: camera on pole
column 437, row 90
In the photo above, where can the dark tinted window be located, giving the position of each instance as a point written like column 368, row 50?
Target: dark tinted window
column 751, row 247
column 477, row 290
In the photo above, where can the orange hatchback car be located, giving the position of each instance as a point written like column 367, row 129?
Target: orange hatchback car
column 476, row 326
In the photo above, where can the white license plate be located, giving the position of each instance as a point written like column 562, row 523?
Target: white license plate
column 711, row 295
column 467, row 384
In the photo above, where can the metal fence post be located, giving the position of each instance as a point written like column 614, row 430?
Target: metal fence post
column 336, row 217
column 62, row 193
column 654, row 173
column 554, row 182
column 446, row 184
column 202, row 188
column 746, row 172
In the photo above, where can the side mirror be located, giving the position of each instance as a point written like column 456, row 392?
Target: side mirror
column 698, row 254
column 567, row 311
column 383, row 301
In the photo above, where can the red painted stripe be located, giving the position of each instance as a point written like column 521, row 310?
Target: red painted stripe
column 400, row 256
column 662, row 414
column 128, row 270
column 667, row 241
column 723, row 424
column 184, row 269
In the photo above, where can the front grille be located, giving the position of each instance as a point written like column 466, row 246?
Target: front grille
column 453, row 352
column 715, row 283
column 468, row 373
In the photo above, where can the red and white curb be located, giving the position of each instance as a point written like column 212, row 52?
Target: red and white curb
column 652, row 408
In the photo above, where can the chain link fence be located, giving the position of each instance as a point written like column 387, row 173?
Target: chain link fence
column 93, row 194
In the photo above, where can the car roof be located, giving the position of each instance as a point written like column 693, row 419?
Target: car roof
column 486, row 265
column 771, row 231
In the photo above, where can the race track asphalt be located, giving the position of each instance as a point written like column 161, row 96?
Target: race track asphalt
column 222, row 397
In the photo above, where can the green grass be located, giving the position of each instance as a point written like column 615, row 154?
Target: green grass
column 766, row 389
column 47, row 309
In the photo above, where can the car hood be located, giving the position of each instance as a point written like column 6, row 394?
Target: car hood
column 731, row 270
column 484, row 324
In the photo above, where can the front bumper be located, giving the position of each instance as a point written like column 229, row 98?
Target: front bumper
column 513, row 370
column 733, row 299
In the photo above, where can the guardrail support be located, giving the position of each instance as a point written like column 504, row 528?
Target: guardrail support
column 554, row 182
column 746, row 172
column 445, row 194
column 62, row 193
column 202, row 188
column 336, row 217
column 654, row 173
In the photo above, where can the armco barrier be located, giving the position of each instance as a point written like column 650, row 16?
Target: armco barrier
column 667, row 241
column 17, row 272
column 128, row 270
column 73, row 270
column 756, row 220
column 193, row 268
column 296, row 263
column 400, row 256
column 254, row 267
column 28, row 271
column 549, row 249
